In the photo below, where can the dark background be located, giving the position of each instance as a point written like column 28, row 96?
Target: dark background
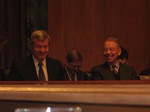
column 76, row 24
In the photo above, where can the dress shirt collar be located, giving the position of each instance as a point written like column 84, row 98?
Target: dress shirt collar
column 69, row 74
column 36, row 62
column 116, row 64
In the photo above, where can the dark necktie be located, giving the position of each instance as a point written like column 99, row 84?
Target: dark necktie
column 73, row 77
column 41, row 73
column 115, row 69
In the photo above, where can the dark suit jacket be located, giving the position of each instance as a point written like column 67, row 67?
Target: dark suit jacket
column 24, row 70
column 80, row 76
column 145, row 72
column 103, row 72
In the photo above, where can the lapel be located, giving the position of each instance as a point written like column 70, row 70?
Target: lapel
column 31, row 69
column 66, row 74
column 106, row 72
column 80, row 75
column 49, row 68
column 122, row 71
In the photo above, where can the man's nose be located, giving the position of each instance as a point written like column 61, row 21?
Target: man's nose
column 42, row 49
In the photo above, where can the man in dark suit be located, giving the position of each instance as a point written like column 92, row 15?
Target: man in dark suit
column 72, row 66
column 145, row 74
column 123, row 57
column 38, row 66
column 112, row 69
column 145, row 71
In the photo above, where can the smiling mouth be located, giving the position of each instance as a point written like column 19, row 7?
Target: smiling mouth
column 110, row 56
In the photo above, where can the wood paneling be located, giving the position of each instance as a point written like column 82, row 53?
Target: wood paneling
column 84, row 24
column 12, row 30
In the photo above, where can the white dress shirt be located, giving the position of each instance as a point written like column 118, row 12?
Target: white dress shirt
column 36, row 62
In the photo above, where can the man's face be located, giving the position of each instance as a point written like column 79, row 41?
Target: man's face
column 40, row 49
column 111, row 52
column 75, row 66
column 124, row 60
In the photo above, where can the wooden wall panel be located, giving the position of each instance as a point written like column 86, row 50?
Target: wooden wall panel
column 84, row 24
column 136, row 33
column 12, row 30
column 76, row 24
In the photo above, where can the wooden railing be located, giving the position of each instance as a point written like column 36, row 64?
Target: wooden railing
column 91, row 96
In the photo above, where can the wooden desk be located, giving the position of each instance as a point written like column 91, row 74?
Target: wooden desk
column 97, row 96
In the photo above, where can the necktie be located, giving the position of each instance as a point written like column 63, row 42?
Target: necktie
column 115, row 69
column 73, row 77
column 41, row 73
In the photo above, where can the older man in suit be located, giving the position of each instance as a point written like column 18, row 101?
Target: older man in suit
column 112, row 69
column 37, row 66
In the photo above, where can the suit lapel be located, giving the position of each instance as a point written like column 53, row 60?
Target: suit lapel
column 122, row 72
column 32, row 70
column 106, row 72
column 80, row 75
column 49, row 68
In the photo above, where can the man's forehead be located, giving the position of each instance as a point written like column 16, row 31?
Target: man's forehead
column 110, row 43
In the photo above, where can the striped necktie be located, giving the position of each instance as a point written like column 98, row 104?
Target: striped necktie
column 115, row 69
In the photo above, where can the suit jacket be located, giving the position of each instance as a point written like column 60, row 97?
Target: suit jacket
column 103, row 72
column 79, row 74
column 25, row 70
column 145, row 72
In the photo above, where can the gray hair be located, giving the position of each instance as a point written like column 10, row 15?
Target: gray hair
column 40, row 35
column 113, row 39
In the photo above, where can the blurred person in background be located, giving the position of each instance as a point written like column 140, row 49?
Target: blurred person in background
column 73, row 65
column 123, row 57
